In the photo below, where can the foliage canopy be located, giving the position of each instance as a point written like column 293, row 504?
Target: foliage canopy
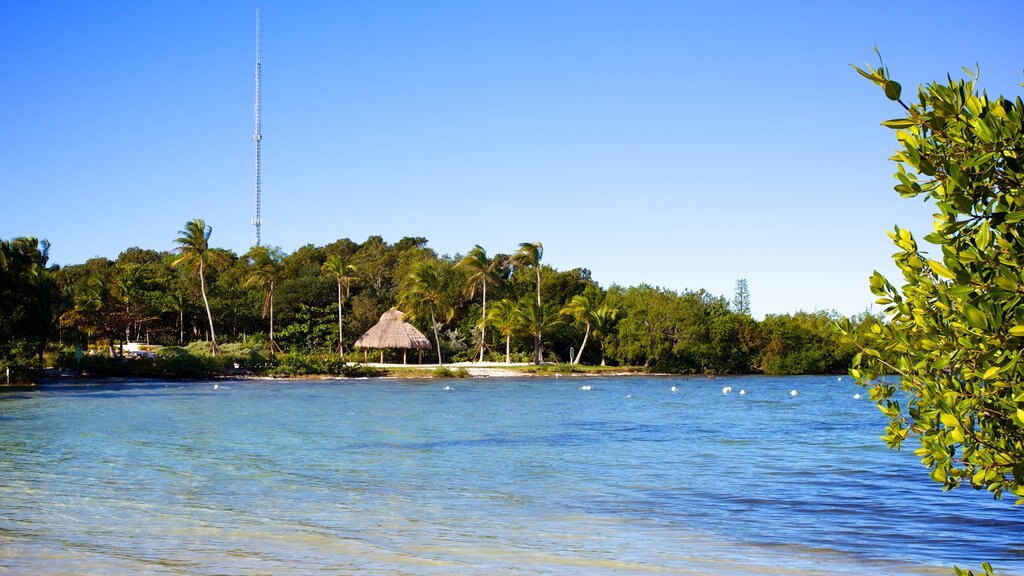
column 954, row 331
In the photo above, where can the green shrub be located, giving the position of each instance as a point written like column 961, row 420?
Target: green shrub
column 564, row 368
column 361, row 371
column 169, row 362
column 198, row 348
column 446, row 372
column 243, row 356
column 19, row 371
column 320, row 364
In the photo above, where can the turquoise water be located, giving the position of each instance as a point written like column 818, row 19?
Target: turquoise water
column 495, row 476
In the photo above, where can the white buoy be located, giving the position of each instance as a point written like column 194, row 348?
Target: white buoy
column 743, row 392
column 585, row 387
column 215, row 386
column 727, row 389
column 856, row 396
column 674, row 389
column 794, row 393
column 447, row 388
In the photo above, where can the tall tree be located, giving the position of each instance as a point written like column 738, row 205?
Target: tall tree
column 506, row 316
column 535, row 322
column 603, row 320
column 954, row 332
column 343, row 273
column 582, row 309
column 423, row 292
column 28, row 299
column 741, row 302
column 529, row 256
column 265, row 270
column 194, row 252
column 481, row 271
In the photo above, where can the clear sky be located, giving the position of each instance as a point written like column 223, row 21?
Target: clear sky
column 678, row 144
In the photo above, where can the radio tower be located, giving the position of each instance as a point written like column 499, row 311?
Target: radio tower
column 256, row 135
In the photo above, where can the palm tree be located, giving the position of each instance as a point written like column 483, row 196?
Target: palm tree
column 343, row 273
column 194, row 251
column 529, row 254
column 507, row 317
column 37, row 287
column 481, row 269
column 582, row 310
column 535, row 322
column 424, row 290
column 603, row 320
column 265, row 271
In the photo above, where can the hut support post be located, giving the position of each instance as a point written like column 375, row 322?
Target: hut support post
column 381, row 355
column 404, row 352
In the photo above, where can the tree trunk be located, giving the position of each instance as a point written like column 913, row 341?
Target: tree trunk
column 483, row 324
column 341, row 345
column 206, row 302
column 508, row 344
column 538, row 352
column 433, row 324
column 538, row 284
column 586, row 334
column 274, row 348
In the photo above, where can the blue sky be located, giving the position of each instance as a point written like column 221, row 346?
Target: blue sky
column 677, row 144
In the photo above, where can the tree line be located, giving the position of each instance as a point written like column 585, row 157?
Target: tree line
column 318, row 299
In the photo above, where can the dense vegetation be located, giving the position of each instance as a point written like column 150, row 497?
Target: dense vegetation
column 954, row 331
column 289, row 313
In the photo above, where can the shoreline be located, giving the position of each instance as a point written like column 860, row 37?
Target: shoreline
column 454, row 371
column 466, row 370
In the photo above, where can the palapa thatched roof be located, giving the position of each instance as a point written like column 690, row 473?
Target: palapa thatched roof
column 393, row 332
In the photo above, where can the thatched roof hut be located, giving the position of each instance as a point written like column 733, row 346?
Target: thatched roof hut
column 393, row 332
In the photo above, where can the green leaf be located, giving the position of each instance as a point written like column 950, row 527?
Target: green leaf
column 975, row 318
column 941, row 270
column 949, row 420
column 983, row 237
column 892, row 89
column 1020, row 415
column 990, row 373
column 898, row 123
column 960, row 291
column 979, row 160
column 1017, row 330
column 1007, row 284
column 1014, row 217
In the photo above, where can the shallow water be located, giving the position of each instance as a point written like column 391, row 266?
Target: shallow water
column 496, row 476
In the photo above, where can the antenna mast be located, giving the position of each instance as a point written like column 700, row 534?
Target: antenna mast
column 256, row 135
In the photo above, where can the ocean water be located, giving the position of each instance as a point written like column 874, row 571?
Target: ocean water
column 494, row 476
